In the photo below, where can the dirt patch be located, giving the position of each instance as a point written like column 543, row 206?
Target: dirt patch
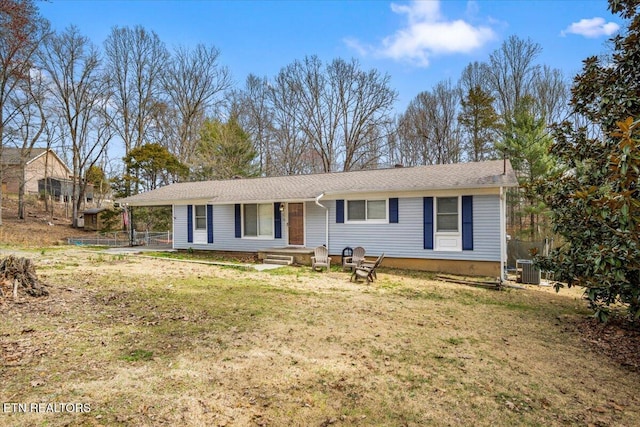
column 38, row 228
column 618, row 339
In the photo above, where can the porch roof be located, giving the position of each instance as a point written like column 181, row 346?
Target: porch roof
column 487, row 174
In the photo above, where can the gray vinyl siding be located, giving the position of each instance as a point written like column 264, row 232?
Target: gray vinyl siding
column 223, row 232
column 405, row 239
column 402, row 240
column 315, row 225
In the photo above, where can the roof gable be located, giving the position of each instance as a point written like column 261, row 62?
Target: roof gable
column 12, row 156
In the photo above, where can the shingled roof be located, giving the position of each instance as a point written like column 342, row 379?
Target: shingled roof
column 488, row 174
column 11, row 155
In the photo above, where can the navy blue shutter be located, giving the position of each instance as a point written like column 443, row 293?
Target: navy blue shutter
column 277, row 219
column 190, row 223
column 340, row 211
column 393, row 210
column 467, row 223
column 427, row 209
column 238, row 222
column 209, row 224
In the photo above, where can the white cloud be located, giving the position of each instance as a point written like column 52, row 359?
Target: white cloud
column 355, row 44
column 592, row 28
column 426, row 33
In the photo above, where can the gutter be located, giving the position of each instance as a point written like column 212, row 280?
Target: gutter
column 326, row 227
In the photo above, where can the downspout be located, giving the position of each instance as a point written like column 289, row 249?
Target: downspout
column 326, row 227
column 503, row 235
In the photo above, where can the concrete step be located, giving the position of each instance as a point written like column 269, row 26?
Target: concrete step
column 278, row 259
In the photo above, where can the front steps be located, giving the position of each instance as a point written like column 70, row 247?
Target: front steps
column 291, row 255
column 278, row 259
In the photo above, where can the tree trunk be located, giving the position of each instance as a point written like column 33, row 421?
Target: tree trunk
column 1, row 168
column 21, row 185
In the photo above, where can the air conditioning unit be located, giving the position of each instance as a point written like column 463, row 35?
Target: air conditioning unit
column 527, row 272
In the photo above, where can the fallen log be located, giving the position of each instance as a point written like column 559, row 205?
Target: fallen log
column 480, row 283
column 21, row 273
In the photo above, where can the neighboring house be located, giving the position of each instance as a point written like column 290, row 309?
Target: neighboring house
column 42, row 162
column 448, row 218
column 99, row 219
column 62, row 189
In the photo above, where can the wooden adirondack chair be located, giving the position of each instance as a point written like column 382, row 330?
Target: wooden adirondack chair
column 321, row 258
column 355, row 259
column 367, row 270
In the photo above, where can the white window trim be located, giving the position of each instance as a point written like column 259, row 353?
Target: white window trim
column 366, row 221
column 200, row 234
column 447, row 241
column 195, row 218
column 258, row 237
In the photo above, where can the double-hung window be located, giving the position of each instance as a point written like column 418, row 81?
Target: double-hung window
column 448, row 236
column 367, row 210
column 200, row 217
column 447, row 214
column 258, row 220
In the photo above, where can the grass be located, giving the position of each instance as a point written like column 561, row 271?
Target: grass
column 137, row 355
column 151, row 342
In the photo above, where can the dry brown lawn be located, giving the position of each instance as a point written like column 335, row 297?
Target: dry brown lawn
column 139, row 341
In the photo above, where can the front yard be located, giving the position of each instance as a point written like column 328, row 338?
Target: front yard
column 139, row 341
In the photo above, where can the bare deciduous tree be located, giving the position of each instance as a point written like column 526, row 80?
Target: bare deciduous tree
column 290, row 150
column 511, row 72
column 22, row 31
column 193, row 83
column 414, row 133
column 363, row 105
column 252, row 109
column 314, row 108
column 80, row 97
column 342, row 111
column 428, row 131
column 135, row 61
column 473, row 76
column 27, row 124
column 551, row 94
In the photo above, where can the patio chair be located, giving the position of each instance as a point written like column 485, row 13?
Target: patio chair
column 320, row 259
column 355, row 259
column 367, row 270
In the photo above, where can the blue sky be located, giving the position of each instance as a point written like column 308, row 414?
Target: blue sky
column 417, row 43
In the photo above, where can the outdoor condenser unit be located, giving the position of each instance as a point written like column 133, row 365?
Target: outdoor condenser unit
column 527, row 272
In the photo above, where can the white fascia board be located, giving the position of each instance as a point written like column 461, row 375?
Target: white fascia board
column 479, row 191
column 250, row 201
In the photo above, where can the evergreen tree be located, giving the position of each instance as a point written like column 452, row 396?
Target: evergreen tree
column 526, row 143
column 480, row 123
column 152, row 166
column 595, row 199
column 224, row 151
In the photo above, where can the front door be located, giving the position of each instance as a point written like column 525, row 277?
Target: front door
column 296, row 224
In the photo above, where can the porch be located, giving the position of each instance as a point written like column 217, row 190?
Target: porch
column 287, row 255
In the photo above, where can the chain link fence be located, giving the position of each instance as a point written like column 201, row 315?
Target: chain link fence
column 119, row 239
